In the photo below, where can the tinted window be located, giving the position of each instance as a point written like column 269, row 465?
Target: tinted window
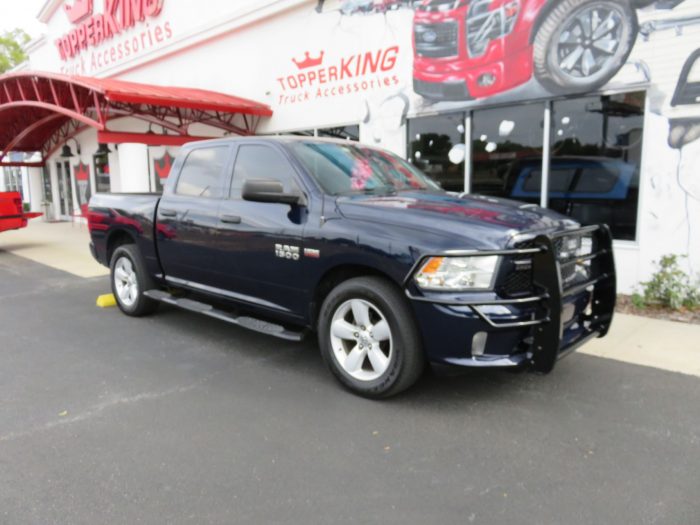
column 560, row 180
column 599, row 180
column 255, row 161
column 202, row 173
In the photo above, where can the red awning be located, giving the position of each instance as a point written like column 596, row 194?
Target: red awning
column 40, row 111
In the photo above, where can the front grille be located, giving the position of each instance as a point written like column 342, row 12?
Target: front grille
column 519, row 279
column 437, row 40
column 485, row 24
column 517, row 283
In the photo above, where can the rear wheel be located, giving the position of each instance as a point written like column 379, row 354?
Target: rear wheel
column 130, row 280
column 582, row 44
column 368, row 338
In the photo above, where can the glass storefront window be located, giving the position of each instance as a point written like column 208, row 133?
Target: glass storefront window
column 341, row 132
column 46, row 176
column 596, row 160
column 437, row 147
column 507, row 145
column 102, row 172
column 351, row 132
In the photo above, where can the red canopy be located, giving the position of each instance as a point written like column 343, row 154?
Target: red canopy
column 40, row 111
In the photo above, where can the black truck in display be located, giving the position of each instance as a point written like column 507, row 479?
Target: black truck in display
column 294, row 235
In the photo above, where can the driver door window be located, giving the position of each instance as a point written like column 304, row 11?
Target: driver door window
column 261, row 162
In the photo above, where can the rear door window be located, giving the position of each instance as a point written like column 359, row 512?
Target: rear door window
column 202, row 174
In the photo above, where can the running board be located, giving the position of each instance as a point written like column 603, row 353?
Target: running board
column 251, row 323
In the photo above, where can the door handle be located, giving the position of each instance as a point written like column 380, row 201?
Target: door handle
column 168, row 213
column 231, row 219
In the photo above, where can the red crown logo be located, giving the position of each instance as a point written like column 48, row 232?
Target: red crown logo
column 163, row 165
column 308, row 62
column 79, row 10
column 82, row 171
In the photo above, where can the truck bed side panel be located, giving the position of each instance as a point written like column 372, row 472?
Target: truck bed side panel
column 125, row 213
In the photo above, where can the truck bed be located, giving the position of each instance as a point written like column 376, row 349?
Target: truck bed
column 131, row 213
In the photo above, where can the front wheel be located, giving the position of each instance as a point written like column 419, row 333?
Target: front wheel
column 582, row 44
column 130, row 280
column 368, row 338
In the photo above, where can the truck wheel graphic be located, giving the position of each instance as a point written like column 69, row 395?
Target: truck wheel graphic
column 582, row 44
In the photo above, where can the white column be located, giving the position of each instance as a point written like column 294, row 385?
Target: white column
column 133, row 168
column 114, row 171
column 55, row 192
column 546, row 154
column 36, row 188
column 468, row 153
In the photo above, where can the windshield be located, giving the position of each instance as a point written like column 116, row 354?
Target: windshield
column 347, row 169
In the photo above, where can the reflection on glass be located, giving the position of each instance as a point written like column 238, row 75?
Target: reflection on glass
column 504, row 140
column 434, row 147
column 102, row 172
column 341, row 132
column 596, row 158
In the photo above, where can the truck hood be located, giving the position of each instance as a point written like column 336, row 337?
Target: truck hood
column 472, row 222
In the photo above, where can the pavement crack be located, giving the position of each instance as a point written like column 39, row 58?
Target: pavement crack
column 100, row 408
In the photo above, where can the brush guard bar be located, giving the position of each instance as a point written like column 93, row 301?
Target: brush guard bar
column 552, row 291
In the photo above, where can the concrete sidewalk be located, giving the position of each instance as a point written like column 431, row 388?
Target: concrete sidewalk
column 60, row 245
column 648, row 342
column 656, row 343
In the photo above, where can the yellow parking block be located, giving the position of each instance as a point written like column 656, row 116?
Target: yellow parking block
column 106, row 301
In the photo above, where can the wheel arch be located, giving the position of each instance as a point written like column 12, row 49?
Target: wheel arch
column 544, row 10
column 336, row 275
column 117, row 238
column 548, row 7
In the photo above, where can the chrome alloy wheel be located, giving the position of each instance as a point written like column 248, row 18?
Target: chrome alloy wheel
column 589, row 41
column 125, row 281
column 361, row 340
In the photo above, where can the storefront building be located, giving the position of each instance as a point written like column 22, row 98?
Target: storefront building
column 590, row 108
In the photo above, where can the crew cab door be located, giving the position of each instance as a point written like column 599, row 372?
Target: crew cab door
column 188, row 216
column 260, row 243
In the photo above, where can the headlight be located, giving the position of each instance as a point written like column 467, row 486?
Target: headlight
column 457, row 274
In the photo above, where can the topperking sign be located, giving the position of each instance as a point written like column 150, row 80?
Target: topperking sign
column 92, row 30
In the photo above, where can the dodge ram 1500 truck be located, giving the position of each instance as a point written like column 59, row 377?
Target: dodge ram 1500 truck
column 291, row 235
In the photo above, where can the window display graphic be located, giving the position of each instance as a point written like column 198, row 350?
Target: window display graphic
column 82, row 183
column 477, row 49
column 162, row 167
column 102, row 172
column 469, row 50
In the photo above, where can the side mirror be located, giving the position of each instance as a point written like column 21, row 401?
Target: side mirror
column 269, row 190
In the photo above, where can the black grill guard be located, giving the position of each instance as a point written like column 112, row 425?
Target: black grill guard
column 551, row 292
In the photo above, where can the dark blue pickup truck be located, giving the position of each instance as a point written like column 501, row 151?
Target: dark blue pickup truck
column 292, row 235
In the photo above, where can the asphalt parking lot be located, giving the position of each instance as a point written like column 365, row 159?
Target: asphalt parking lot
column 180, row 419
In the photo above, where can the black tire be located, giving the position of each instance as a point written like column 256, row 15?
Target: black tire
column 549, row 54
column 406, row 360
column 141, row 304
